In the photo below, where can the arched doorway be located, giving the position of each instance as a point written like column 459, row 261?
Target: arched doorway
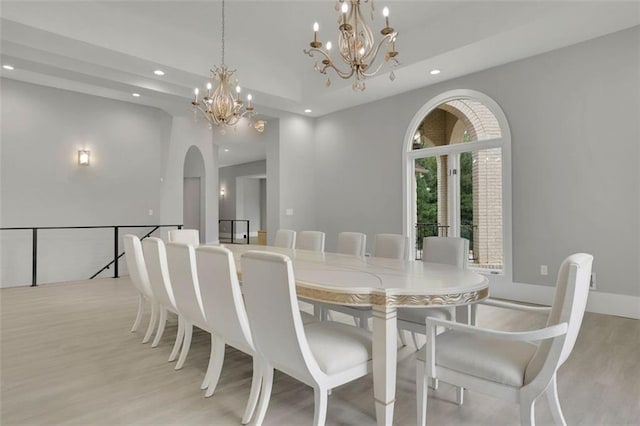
column 456, row 169
column 193, row 195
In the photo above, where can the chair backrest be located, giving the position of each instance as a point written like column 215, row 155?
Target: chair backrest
column 136, row 265
column 354, row 243
column 310, row 240
column 449, row 250
column 272, row 307
column 393, row 246
column 155, row 257
column 569, row 304
column 181, row 258
column 222, row 298
column 285, row 238
column 188, row 236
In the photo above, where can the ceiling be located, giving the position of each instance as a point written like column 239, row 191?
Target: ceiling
column 111, row 48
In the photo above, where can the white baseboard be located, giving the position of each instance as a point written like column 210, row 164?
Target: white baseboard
column 601, row 303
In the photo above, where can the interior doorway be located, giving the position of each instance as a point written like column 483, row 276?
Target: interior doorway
column 191, row 204
column 193, row 196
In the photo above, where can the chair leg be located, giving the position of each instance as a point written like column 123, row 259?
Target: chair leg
column 256, row 384
column 459, row 395
column 414, row 336
column 136, row 323
column 473, row 314
column 320, row 409
column 207, row 376
column 527, row 411
column 317, row 311
column 161, row 325
column 554, row 402
column 186, row 345
column 179, row 338
column 152, row 322
column 402, row 337
column 216, row 362
column 422, row 391
column 265, row 395
column 364, row 322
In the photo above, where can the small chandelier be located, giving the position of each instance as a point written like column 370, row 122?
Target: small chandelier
column 356, row 45
column 221, row 107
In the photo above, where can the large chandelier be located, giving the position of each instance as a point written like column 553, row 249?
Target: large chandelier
column 356, row 45
column 221, row 107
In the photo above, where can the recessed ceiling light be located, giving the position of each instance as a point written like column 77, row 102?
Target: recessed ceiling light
column 135, row 95
column 7, row 67
column 158, row 72
column 434, row 72
column 307, row 110
column 226, row 150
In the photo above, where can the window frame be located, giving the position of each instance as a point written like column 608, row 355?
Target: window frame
column 409, row 155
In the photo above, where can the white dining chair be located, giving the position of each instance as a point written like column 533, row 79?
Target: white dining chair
column 322, row 355
column 515, row 366
column 310, row 240
column 181, row 264
column 353, row 243
column 285, row 238
column 447, row 250
column 391, row 246
column 226, row 317
column 155, row 257
column 188, row 236
column 140, row 280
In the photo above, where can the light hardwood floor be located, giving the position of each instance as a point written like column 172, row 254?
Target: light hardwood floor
column 68, row 358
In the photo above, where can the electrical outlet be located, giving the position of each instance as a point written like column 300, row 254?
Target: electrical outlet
column 592, row 282
column 543, row 270
column 150, row 212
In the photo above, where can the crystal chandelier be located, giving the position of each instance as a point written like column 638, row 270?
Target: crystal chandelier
column 221, row 107
column 356, row 45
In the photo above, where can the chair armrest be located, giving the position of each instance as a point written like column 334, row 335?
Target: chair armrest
column 516, row 306
column 527, row 336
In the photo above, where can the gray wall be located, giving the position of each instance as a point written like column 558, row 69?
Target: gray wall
column 573, row 115
column 297, row 163
column 43, row 185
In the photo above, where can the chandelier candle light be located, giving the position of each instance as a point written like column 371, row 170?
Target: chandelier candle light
column 356, row 45
column 221, row 107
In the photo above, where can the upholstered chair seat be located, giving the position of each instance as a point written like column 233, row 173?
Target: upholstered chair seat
column 488, row 358
column 328, row 339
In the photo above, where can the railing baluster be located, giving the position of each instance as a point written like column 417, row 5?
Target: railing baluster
column 115, row 251
column 34, row 257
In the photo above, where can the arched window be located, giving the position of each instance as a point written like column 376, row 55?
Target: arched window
column 457, row 177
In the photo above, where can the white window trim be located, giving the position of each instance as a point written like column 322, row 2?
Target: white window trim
column 504, row 142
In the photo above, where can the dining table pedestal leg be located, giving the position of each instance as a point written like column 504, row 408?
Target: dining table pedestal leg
column 385, row 348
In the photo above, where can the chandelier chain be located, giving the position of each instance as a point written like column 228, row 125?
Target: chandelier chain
column 222, row 32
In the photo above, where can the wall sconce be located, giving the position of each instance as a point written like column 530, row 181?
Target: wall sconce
column 83, row 157
column 222, row 192
column 259, row 126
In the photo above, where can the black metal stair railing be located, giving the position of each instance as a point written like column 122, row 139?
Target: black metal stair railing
column 116, row 255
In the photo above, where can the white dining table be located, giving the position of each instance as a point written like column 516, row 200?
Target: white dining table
column 384, row 285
